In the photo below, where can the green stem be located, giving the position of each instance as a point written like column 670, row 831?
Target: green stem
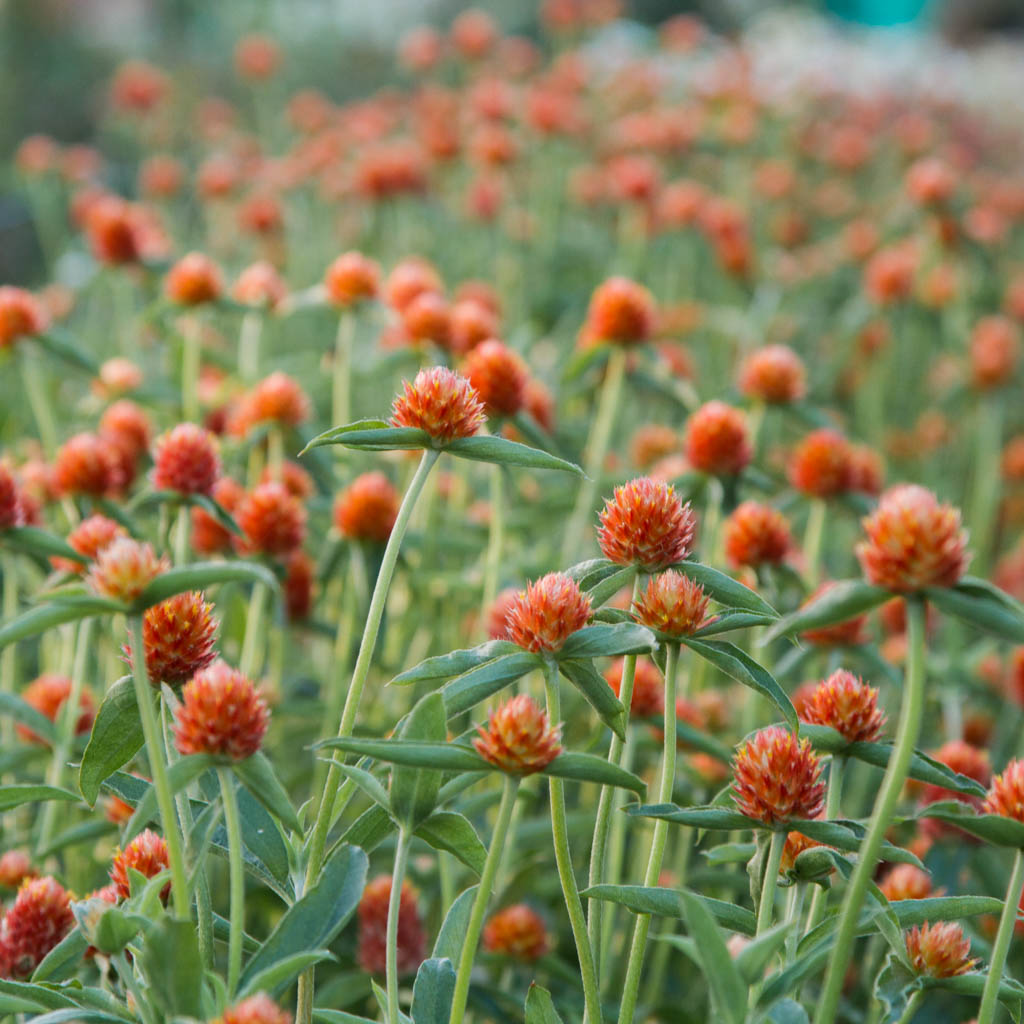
column 318, row 839
column 888, row 796
column 249, row 347
column 191, row 357
column 794, row 913
column 597, row 451
column 563, row 860
column 985, row 485
column 496, row 532
column 483, row 895
column 990, row 995
column 913, row 1005
column 275, row 452
column 236, row 875
column 394, row 906
column 766, row 903
column 341, row 391
column 42, row 408
column 248, row 661
column 161, row 784
column 181, row 535
column 832, row 803
column 126, row 973
column 812, row 540
column 654, row 862
column 8, row 658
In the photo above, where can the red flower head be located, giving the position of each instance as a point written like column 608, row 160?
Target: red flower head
column 889, row 274
column 939, row 950
column 821, row 465
column 427, row 318
column 178, row 637
column 221, row 713
column 209, row 535
column 272, row 520
column 138, row 87
column 474, row 33
column 124, row 568
column 257, row 1009
column 930, row 181
column 847, row 705
column 544, row 615
column 299, row 584
column 517, row 931
column 774, row 374
column 260, row 285
column 47, row 695
column 498, row 612
column 194, row 280
column 651, row 443
column 15, row 867
column 518, row 738
column 1006, row 797
column 778, row 778
column 12, row 511
column 499, row 376
column 648, row 687
column 420, row 49
column 409, row 279
column 373, row 918
column 672, row 603
column 796, row 843
column 127, row 426
column 471, row 322
column 161, row 176
column 906, row 882
column 442, row 403
column 367, row 508
column 123, row 233
column 352, row 278
column 645, row 524
column 87, row 464
column 994, row 350
column 840, row 634
column 37, row 920
column 117, row 376
column 147, row 854
column 185, row 459
column 913, row 541
column 964, row 759
column 757, row 534
column 279, row 399
column 22, row 315
column 257, row 56
column 717, row 440
column 867, row 470
column 621, row 311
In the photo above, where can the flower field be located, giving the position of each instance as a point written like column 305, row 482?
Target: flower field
column 537, row 542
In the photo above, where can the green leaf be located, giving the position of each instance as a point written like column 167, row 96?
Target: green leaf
column 277, row 976
column 599, row 695
column 456, row 922
column 340, row 1017
column 943, row 908
column 981, row 604
column 605, row 641
column 414, row 789
column 62, row 961
column 372, row 436
column 370, row 829
column 312, row 922
column 12, row 706
column 610, row 585
column 710, row 818
column 734, row 662
column 539, row 1007
column 469, row 689
column 843, row 600
column 668, row 903
column 199, row 576
column 31, row 997
column 15, row 796
column 591, row 768
column 786, row 1011
column 452, row 832
column 369, row 784
column 182, row 773
column 173, row 968
column 115, row 739
column 1011, row 993
column 39, row 542
column 727, row 990
column 699, row 740
column 729, row 621
column 490, row 448
column 754, row 958
column 993, row 828
column 60, row 342
column 57, row 613
column 448, row 666
column 432, row 992
column 725, row 590
column 449, row 757
column 258, row 776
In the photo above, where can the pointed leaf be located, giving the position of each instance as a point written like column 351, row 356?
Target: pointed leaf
column 199, row 576
column 499, row 450
column 449, row 757
column 668, row 903
column 448, row 666
column 372, row 436
column 844, row 600
column 981, row 604
column 456, row 922
column 432, row 992
column 725, row 983
column 599, row 695
column 258, row 776
column 12, row 706
column 115, row 739
column 453, row 832
column 277, row 976
column 608, row 641
column 993, row 828
column 710, row 818
column 754, row 958
column 172, row 967
column 35, row 541
column 469, row 689
column 725, row 590
column 181, row 774
column 15, row 796
column 539, row 1007
column 414, row 789
column 57, row 613
column 591, row 768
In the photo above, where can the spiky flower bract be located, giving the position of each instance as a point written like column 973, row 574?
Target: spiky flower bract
column 777, row 778
column 518, row 738
column 124, row 568
column 672, row 603
column 1006, row 796
column 544, row 615
column 179, row 636
column 221, row 714
column 185, row 459
column 646, row 524
column 37, row 920
column 441, row 402
column 939, row 950
column 147, row 854
column 845, row 703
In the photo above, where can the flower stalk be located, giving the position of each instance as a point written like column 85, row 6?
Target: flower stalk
column 1001, row 947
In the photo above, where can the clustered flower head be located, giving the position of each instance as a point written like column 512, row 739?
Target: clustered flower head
column 517, row 931
column 645, row 524
column 518, row 738
column 822, row 466
column 373, row 916
column 440, row 402
column 178, row 636
column 621, row 311
column 22, row 315
column 221, row 713
column 147, row 854
column 367, row 508
column 124, row 568
column 717, row 441
column 36, row 921
column 499, row 377
column 257, row 1009
column 89, row 538
column 185, row 459
column 1006, row 797
column 846, row 704
column 774, row 374
column 672, row 603
column 194, row 280
column 777, row 778
column 351, row 278
column 47, row 694
column 756, row 534
column 544, row 615
column 12, row 512
column 939, row 950
column 906, row 882
column 648, row 687
column 272, row 520
column 913, row 541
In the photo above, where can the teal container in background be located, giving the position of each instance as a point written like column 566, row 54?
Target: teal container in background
column 881, row 12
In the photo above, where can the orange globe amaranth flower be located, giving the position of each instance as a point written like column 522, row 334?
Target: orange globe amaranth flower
column 939, row 950
column 474, row 33
column 147, row 854
column 471, row 322
column 15, row 867
column 651, row 443
column 673, row 604
column 257, row 56
column 409, row 279
column 12, row 511
column 544, row 615
column 138, row 87
column 994, row 351
column 47, row 695
column 621, row 311
column 777, row 778
column 421, row 49
column 648, row 687
column 89, row 538
column 298, row 586
column 964, row 759
column 161, row 176
column 756, row 534
column 124, row 568
column 906, row 882
column 185, row 459
column 645, row 524
column 428, row 318
column 796, row 843
column 116, row 377
column 839, row 634
column 352, row 278
column 517, row 931
column 518, row 738
column 499, row 376
column 717, row 441
column 87, row 464
column 279, row 399
column 889, row 275
column 260, row 285
column 37, row 920
column 178, row 637
column 367, row 508
column 930, row 181
column 498, row 613
column 774, row 374
column 272, row 521
column 209, row 536
column 441, row 402
column 913, row 541
column 373, row 917
column 260, row 213
column 821, row 465
column 221, row 713
column 846, row 704
column 257, row 1009
column 22, row 315
column 127, row 426
column 294, row 477
column 194, row 280
column 1006, row 797
column 867, row 470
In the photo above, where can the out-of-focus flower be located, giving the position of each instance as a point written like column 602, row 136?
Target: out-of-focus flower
column 717, row 441
column 21, row 315
column 48, row 694
column 124, row 568
column 257, row 1009
column 774, row 374
column 367, row 508
column 15, row 867
column 271, row 519
column 499, row 376
column 621, row 311
column 648, row 687
column 517, row 931
column 373, row 916
column 906, row 882
column 821, row 465
column 87, row 464
column 185, row 459
column 352, row 278
column 194, row 280
column 756, row 534
column 994, row 350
